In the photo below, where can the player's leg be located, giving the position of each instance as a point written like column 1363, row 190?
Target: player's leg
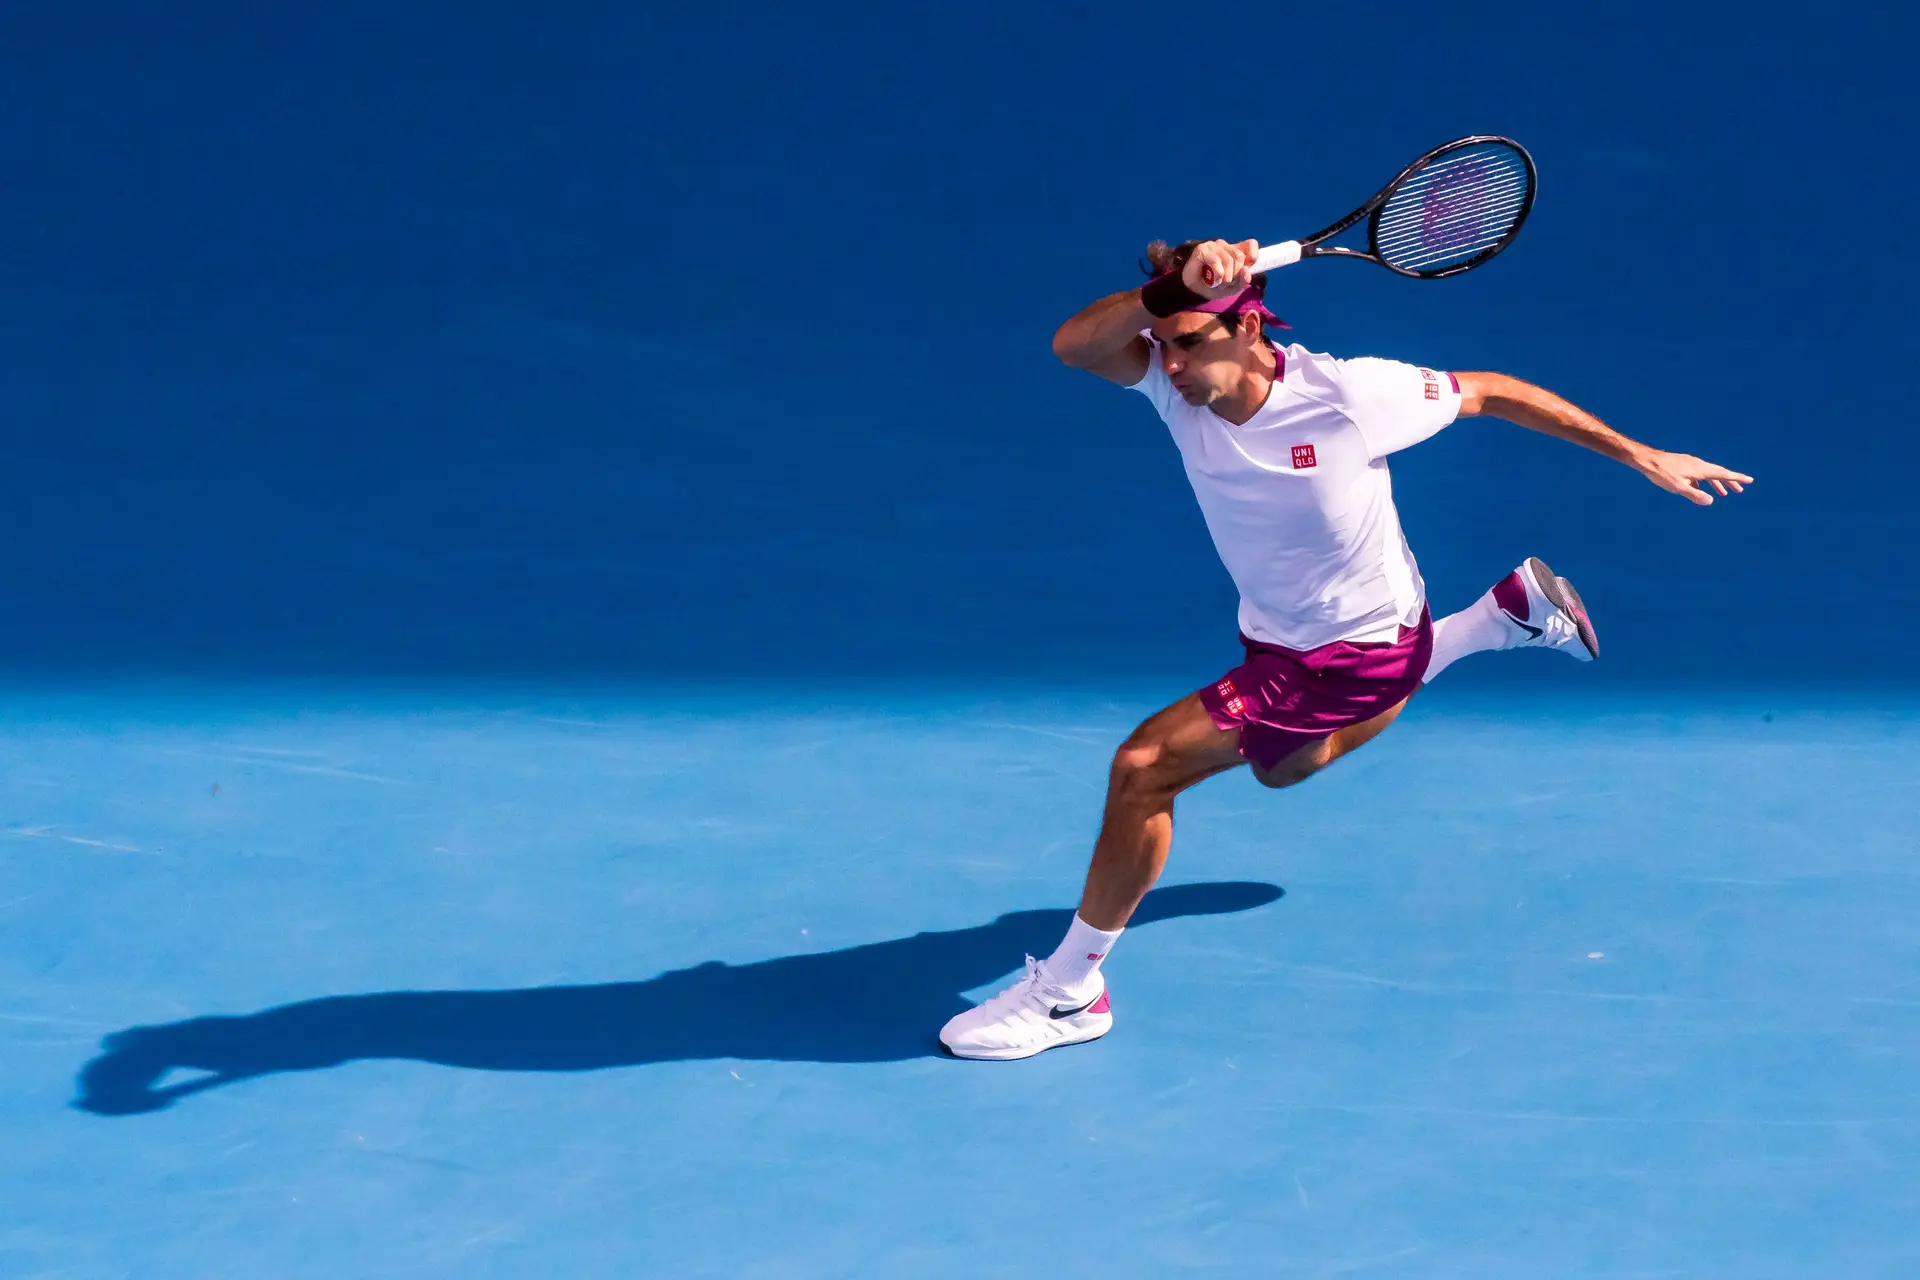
column 1303, row 762
column 1286, row 712
column 1166, row 755
column 1170, row 751
column 1529, row 608
column 1062, row 1000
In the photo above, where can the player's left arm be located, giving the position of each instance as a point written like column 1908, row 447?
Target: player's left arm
column 1499, row 396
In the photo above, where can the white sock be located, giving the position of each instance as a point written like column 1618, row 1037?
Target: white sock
column 1478, row 627
column 1077, row 958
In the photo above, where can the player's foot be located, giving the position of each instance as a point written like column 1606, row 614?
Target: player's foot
column 1547, row 611
column 1028, row 1017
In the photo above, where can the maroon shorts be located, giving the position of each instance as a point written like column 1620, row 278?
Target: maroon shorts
column 1284, row 699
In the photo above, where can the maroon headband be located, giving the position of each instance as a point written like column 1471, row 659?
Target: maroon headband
column 1247, row 299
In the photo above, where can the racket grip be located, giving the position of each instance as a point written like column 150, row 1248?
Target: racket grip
column 1284, row 254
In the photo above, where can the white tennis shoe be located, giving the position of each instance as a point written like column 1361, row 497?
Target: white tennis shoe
column 1546, row 612
column 1029, row 1017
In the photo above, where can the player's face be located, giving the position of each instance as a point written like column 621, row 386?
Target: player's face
column 1203, row 357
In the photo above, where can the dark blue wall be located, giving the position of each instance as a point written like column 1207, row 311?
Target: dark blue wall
column 610, row 339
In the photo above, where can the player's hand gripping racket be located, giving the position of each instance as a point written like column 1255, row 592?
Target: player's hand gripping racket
column 1449, row 211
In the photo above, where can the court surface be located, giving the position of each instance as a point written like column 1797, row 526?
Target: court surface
column 312, row 981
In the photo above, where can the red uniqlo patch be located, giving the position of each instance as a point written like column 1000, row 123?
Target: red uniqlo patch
column 1235, row 706
column 1303, row 457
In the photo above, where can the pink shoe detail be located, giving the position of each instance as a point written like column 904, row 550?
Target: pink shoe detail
column 1102, row 1005
column 1510, row 594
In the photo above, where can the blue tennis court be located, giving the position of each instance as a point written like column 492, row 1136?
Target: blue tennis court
column 445, row 982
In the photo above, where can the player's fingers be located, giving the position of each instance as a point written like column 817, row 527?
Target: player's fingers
column 1235, row 264
column 1682, row 484
column 1718, row 488
column 1222, row 266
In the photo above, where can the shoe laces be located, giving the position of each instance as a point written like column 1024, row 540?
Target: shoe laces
column 1033, row 986
column 1559, row 629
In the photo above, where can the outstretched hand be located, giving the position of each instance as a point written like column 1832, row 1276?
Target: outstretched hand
column 1688, row 476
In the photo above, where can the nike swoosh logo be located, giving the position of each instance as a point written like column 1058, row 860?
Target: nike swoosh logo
column 1057, row 1014
column 1532, row 632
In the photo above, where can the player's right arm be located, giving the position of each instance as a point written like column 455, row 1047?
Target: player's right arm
column 1104, row 339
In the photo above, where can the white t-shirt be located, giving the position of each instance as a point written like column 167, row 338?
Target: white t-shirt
column 1298, row 499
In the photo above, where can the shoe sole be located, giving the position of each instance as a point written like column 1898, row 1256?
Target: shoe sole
column 1015, row 1055
column 1561, row 595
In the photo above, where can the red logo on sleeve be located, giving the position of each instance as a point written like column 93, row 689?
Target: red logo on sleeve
column 1432, row 381
column 1303, row 457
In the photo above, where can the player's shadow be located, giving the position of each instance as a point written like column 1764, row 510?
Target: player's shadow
column 878, row 1003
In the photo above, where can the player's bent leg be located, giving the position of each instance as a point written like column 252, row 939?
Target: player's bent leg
column 1045, row 1009
column 1288, row 712
column 1302, row 764
column 1170, row 752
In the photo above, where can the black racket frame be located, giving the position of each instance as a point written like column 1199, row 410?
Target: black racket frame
column 1310, row 246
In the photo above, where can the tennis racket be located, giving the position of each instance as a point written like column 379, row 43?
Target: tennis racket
column 1449, row 211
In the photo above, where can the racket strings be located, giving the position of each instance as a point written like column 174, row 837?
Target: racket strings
column 1459, row 207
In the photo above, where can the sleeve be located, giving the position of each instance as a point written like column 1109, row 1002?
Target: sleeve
column 1154, row 385
column 1396, row 405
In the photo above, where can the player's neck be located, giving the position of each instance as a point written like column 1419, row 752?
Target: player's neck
column 1256, row 386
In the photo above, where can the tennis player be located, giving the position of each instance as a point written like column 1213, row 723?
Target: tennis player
column 1286, row 450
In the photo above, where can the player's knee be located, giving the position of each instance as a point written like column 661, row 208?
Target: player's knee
column 1293, row 770
column 1139, row 768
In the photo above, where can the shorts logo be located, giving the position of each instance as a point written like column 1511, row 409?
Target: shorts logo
column 1303, row 457
column 1432, row 380
column 1231, row 702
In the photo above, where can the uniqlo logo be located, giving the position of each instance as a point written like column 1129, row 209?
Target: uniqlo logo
column 1303, row 457
column 1433, row 383
column 1225, row 688
column 1236, row 705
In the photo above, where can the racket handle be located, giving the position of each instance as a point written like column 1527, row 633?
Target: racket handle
column 1284, row 254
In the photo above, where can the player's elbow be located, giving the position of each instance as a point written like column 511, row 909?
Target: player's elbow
column 1067, row 348
column 1479, row 392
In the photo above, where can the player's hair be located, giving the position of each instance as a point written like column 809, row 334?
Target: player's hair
column 1162, row 257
